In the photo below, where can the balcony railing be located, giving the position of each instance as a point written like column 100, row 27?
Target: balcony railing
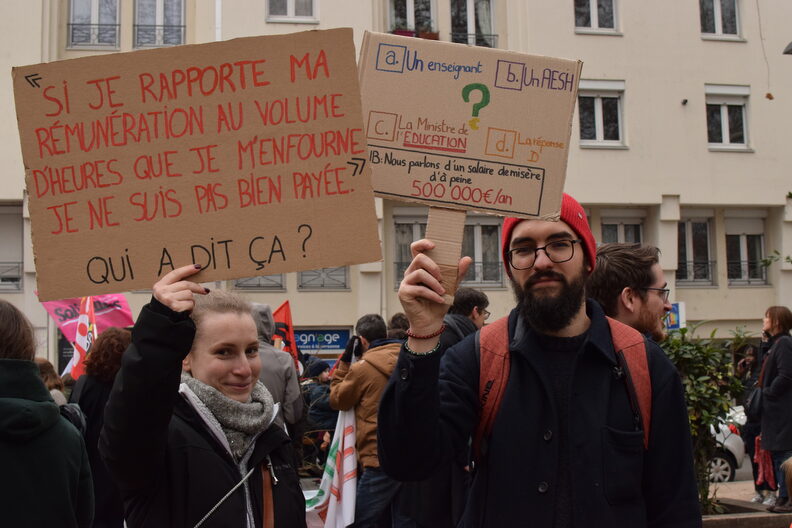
column 266, row 282
column 147, row 36
column 746, row 272
column 10, row 276
column 486, row 273
column 476, row 39
column 323, row 279
column 93, row 35
column 696, row 272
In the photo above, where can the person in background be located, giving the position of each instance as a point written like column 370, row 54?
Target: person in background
column 359, row 386
column 776, row 382
column 189, row 435
column 91, row 393
column 397, row 326
column 46, row 478
column 317, row 397
column 278, row 372
column 748, row 369
column 628, row 283
column 52, row 381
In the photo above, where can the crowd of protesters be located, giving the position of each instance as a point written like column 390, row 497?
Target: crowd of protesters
column 195, row 418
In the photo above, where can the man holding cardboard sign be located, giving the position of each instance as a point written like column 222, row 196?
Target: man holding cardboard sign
column 571, row 424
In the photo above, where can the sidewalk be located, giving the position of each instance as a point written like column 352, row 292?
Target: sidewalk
column 739, row 490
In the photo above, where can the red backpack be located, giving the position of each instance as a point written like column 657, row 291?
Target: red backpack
column 494, row 374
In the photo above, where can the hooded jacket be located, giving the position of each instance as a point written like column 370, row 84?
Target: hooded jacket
column 46, row 478
column 278, row 372
column 360, row 385
column 169, row 464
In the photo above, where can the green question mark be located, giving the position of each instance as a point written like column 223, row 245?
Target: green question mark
column 485, row 96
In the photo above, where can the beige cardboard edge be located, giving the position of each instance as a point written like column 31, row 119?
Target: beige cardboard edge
column 445, row 227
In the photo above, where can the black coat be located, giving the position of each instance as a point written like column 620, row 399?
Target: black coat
column 92, row 395
column 431, row 405
column 439, row 501
column 45, row 479
column 169, row 467
column 777, row 396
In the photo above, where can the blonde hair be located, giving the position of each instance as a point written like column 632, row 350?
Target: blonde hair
column 219, row 301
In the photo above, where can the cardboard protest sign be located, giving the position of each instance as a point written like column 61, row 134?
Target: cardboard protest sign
column 247, row 157
column 467, row 127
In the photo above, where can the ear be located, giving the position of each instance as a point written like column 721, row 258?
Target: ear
column 474, row 313
column 627, row 300
column 186, row 363
column 365, row 343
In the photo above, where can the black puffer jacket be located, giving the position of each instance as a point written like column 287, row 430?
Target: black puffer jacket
column 169, row 467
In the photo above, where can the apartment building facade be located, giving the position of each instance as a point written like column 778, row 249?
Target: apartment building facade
column 677, row 141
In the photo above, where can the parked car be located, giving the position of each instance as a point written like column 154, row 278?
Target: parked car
column 731, row 449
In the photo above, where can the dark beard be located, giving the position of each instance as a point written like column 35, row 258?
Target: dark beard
column 549, row 314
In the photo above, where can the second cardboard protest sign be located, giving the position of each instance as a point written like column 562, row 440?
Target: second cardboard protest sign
column 467, row 127
column 247, row 157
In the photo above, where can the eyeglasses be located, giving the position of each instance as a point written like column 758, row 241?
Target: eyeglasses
column 664, row 292
column 485, row 313
column 523, row 258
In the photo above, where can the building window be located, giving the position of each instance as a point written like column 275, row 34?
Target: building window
column 412, row 15
column 480, row 241
column 693, row 256
column 600, row 113
column 624, row 231
column 266, row 282
column 300, row 11
column 726, row 116
column 93, row 23
column 744, row 251
column 719, row 17
column 595, row 14
column 159, row 23
column 11, row 247
column 324, row 279
column 471, row 23
column 406, row 231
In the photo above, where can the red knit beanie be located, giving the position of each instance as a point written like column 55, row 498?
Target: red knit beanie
column 571, row 213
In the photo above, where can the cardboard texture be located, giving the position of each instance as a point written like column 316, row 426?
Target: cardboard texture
column 445, row 228
column 247, row 157
column 465, row 127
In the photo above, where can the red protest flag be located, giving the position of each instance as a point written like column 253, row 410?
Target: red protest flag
column 284, row 330
column 86, row 334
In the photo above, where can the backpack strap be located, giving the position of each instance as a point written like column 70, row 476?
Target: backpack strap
column 630, row 348
column 494, row 365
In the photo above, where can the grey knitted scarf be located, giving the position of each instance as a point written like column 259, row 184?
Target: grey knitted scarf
column 239, row 421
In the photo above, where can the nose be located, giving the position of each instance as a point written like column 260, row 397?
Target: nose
column 667, row 305
column 542, row 260
column 242, row 367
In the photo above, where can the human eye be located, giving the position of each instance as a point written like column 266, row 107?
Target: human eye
column 560, row 245
column 223, row 352
column 523, row 251
column 251, row 351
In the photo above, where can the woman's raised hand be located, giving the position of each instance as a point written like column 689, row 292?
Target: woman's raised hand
column 175, row 292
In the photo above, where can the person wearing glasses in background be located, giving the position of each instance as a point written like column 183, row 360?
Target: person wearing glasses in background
column 628, row 282
column 564, row 450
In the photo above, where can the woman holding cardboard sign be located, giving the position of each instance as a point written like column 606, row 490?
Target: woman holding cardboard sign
column 188, row 432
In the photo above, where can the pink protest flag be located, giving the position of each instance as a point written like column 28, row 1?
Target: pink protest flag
column 86, row 334
column 110, row 310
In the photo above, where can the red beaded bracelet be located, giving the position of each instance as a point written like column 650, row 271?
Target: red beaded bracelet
column 428, row 336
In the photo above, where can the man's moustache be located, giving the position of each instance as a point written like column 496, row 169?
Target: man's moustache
column 539, row 276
